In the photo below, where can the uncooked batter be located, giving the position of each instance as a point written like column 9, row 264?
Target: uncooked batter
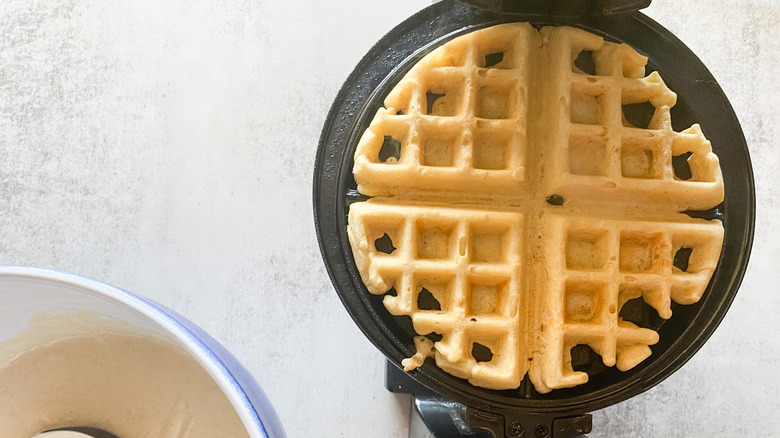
column 83, row 369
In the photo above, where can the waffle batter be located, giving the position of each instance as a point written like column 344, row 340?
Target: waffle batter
column 82, row 369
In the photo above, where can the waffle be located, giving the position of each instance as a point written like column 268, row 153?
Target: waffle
column 520, row 201
column 468, row 260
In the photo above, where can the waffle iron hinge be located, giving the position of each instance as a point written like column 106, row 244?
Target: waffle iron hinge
column 566, row 8
column 514, row 425
column 447, row 419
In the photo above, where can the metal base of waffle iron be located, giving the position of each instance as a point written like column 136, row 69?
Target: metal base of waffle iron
column 437, row 417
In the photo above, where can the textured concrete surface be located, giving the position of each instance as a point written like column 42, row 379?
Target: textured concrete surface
column 167, row 147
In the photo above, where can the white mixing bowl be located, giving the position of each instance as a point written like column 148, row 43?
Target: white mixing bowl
column 25, row 291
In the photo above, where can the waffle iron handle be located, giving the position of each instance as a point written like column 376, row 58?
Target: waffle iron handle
column 561, row 8
column 512, row 425
column 447, row 419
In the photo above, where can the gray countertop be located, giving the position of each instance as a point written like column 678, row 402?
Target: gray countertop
column 167, row 147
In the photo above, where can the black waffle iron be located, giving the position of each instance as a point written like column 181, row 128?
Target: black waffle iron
column 451, row 406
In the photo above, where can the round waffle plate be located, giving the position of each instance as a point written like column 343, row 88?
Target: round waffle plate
column 700, row 100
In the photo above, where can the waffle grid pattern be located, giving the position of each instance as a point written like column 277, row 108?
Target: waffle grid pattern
column 469, row 261
column 526, row 278
column 600, row 265
column 605, row 153
column 459, row 124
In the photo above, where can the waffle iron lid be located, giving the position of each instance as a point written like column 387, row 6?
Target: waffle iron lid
column 700, row 100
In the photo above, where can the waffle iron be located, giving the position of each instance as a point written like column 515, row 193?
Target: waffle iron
column 451, row 406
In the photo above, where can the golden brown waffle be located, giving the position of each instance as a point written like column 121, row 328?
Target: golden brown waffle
column 469, row 261
column 516, row 209
column 461, row 127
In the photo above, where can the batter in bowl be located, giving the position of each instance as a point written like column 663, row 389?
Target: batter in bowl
column 74, row 368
